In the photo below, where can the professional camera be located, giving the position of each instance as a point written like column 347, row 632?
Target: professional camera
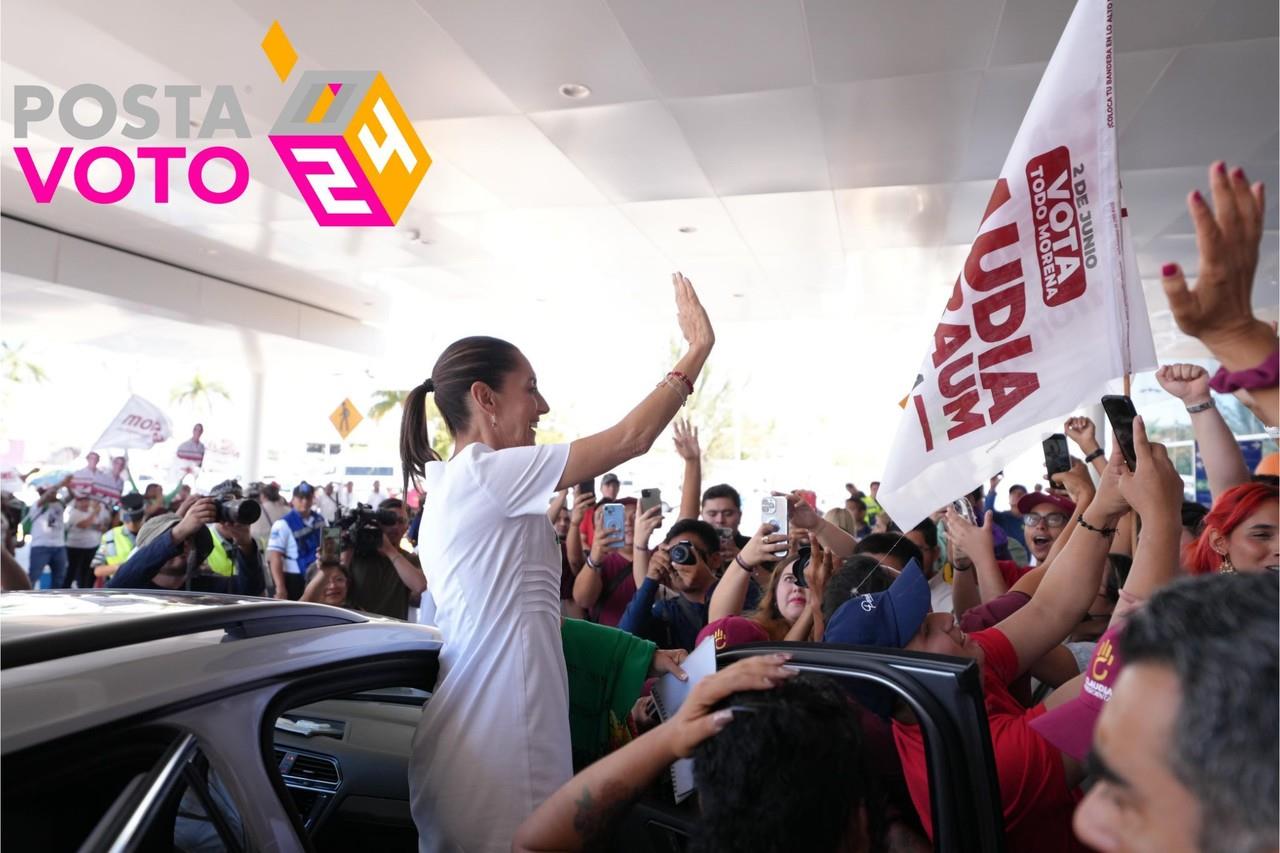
column 232, row 508
column 683, row 553
column 362, row 528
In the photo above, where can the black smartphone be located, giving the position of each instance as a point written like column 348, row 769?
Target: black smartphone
column 587, row 487
column 1120, row 412
column 1057, row 456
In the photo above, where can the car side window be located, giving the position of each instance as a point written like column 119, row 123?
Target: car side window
column 107, row 770
column 206, row 819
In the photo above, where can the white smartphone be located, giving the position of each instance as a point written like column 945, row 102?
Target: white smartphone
column 775, row 511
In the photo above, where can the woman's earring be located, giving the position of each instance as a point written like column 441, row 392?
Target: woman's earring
column 493, row 420
column 1227, row 567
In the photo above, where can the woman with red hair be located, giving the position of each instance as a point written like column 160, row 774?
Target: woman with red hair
column 1241, row 532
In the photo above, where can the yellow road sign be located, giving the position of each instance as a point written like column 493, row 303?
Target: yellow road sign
column 346, row 417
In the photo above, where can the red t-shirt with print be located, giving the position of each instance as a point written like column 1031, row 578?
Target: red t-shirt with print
column 1033, row 786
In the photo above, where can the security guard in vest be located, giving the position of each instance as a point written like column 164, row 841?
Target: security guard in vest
column 233, row 539
column 118, row 542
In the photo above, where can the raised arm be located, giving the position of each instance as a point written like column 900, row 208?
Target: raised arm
column 583, row 502
column 805, row 517
column 1219, row 310
column 730, row 595
column 646, row 522
column 557, row 504
column 1154, row 491
column 634, row 434
column 686, row 439
column 583, row 814
column 1223, row 461
column 589, row 584
column 976, row 543
column 1071, row 584
column 1082, row 431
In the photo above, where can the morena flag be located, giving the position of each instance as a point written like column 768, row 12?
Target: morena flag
column 1048, row 307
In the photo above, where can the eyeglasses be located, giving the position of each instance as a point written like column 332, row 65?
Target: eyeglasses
column 1053, row 519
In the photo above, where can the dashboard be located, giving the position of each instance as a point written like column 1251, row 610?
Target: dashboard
column 345, row 763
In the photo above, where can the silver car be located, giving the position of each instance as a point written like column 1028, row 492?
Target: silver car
column 195, row 722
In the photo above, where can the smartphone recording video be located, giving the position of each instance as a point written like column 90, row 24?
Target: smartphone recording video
column 1120, row 413
column 1057, row 456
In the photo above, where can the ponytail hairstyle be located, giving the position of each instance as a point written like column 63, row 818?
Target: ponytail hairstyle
column 1230, row 509
column 463, row 363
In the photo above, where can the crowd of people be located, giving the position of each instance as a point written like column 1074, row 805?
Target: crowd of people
column 1126, row 636
column 86, row 534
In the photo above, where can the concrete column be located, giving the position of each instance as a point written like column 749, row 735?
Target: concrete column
column 253, row 448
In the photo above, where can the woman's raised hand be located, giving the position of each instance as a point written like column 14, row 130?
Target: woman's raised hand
column 694, row 323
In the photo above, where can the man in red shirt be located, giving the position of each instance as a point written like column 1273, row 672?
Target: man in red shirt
column 1037, row 782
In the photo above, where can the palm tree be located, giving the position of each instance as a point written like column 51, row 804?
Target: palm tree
column 385, row 401
column 199, row 393
column 16, row 368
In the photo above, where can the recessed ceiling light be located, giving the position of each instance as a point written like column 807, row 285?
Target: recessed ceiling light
column 577, row 91
column 687, row 229
column 739, row 295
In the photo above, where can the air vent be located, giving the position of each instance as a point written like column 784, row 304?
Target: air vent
column 308, row 771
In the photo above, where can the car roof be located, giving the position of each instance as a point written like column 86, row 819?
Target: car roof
column 47, row 625
column 80, row 660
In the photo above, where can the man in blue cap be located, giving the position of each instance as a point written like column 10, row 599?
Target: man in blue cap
column 294, row 544
column 1037, row 782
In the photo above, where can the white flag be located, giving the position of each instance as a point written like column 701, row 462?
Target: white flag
column 139, row 425
column 1046, row 310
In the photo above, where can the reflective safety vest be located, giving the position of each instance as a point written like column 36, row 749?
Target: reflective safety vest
column 122, row 544
column 220, row 561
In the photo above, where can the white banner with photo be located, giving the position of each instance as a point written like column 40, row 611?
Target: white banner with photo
column 1048, row 307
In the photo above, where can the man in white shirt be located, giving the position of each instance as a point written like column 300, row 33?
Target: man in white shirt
column 84, row 480
column 191, row 452
column 325, row 503
column 377, row 496
column 48, row 539
column 108, row 486
column 347, row 495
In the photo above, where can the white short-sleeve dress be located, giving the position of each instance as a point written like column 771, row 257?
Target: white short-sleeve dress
column 493, row 742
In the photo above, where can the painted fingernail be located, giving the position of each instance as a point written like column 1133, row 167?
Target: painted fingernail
column 722, row 718
column 1169, row 270
column 1220, row 167
column 782, row 657
column 1197, row 198
column 794, row 670
column 1238, row 173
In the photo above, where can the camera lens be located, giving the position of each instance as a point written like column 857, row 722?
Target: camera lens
column 238, row 511
column 682, row 553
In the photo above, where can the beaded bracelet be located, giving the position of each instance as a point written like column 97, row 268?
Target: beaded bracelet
column 683, row 378
column 1101, row 531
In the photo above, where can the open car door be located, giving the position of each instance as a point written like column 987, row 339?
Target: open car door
column 946, row 695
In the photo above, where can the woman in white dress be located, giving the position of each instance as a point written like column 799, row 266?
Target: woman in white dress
column 493, row 742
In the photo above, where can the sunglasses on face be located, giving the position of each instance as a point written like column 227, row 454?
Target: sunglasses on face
column 1053, row 519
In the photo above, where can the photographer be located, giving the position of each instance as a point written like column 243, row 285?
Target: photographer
column 173, row 550
column 389, row 579
column 233, row 541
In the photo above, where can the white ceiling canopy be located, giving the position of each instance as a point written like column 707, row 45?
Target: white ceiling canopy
column 814, row 147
